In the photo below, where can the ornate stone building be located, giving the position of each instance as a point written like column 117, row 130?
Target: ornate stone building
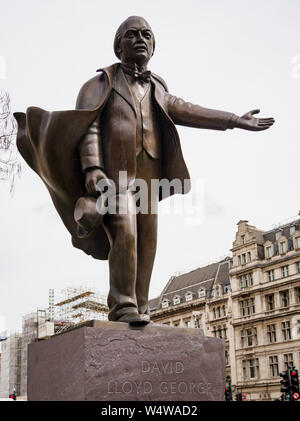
column 265, row 281
column 252, row 300
column 199, row 299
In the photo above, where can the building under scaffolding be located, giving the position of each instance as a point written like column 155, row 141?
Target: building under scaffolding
column 10, row 365
column 78, row 305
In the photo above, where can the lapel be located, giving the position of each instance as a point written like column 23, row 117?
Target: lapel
column 118, row 82
column 121, row 86
column 159, row 95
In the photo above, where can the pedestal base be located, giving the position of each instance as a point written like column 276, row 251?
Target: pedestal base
column 111, row 361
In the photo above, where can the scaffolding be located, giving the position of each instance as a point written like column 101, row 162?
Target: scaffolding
column 10, row 365
column 78, row 305
column 29, row 335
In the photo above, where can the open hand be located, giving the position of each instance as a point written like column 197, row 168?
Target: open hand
column 248, row 122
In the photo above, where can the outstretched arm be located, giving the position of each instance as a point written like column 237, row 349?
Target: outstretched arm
column 187, row 114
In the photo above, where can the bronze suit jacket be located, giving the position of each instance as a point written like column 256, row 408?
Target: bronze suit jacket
column 50, row 143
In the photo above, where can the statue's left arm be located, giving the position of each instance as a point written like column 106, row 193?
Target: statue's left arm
column 187, row 114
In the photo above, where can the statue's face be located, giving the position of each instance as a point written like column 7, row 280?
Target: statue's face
column 136, row 45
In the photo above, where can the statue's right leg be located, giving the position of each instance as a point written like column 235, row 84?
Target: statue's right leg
column 122, row 233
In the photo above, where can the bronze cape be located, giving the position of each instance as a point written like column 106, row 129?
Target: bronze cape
column 49, row 143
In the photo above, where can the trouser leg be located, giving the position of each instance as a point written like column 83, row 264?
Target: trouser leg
column 147, row 169
column 146, row 250
column 122, row 233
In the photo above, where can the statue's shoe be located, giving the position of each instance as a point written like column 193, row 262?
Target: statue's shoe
column 135, row 319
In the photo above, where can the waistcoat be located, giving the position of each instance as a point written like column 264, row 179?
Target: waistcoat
column 147, row 130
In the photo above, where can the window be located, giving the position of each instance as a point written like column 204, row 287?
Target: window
column 224, row 332
column 284, row 295
column 243, row 237
column 201, row 293
column 269, row 252
column 244, row 258
column 214, row 313
column 271, row 275
column 217, row 292
column 247, row 307
column 286, row 330
column 284, row 271
column 219, row 332
column 165, row 303
column 249, row 256
column 177, row 323
column 246, row 280
column 224, row 310
column 187, row 323
column 219, row 311
column 273, row 364
column 251, row 336
column 214, row 331
column 271, row 333
column 239, row 259
column 288, row 361
column 242, row 338
column 244, row 369
column 297, row 294
column 188, row 296
column 198, row 323
column 176, row 300
column 270, row 302
column 298, row 328
column 253, row 367
column 298, row 267
column 282, row 247
column 226, row 358
column 297, row 241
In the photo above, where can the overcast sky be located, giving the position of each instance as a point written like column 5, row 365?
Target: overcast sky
column 231, row 55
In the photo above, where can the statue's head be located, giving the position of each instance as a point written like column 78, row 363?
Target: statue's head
column 134, row 41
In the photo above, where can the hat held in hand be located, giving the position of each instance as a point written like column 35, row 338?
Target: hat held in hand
column 87, row 216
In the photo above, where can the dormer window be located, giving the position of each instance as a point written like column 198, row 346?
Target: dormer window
column 188, row 296
column 217, row 292
column 176, row 300
column 297, row 242
column 269, row 252
column 201, row 293
column 278, row 234
column 282, row 247
column 165, row 303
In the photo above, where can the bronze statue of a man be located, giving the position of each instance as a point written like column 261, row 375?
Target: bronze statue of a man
column 124, row 121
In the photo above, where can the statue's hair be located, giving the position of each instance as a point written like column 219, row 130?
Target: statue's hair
column 120, row 34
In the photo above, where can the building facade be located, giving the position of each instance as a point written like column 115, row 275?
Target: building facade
column 199, row 299
column 10, row 379
column 251, row 300
column 265, row 280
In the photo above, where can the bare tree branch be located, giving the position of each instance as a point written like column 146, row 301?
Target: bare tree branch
column 10, row 166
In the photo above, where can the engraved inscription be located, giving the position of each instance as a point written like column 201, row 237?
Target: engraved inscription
column 161, row 369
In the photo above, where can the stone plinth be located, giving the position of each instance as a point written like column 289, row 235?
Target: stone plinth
column 110, row 361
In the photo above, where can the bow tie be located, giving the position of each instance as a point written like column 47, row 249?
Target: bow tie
column 136, row 73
